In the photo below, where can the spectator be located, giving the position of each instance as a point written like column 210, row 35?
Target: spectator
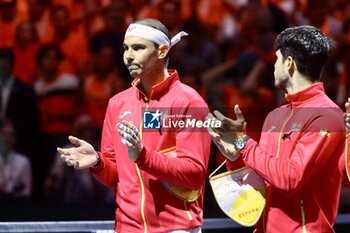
column 92, row 17
column 197, row 55
column 39, row 14
column 26, row 46
column 57, row 92
column 15, row 168
column 246, row 78
column 104, row 81
column 8, row 23
column 69, row 37
column 168, row 12
column 19, row 105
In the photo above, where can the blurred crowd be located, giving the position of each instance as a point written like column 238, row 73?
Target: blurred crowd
column 61, row 60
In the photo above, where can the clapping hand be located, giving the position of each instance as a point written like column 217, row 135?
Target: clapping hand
column 130, row 138
column 81, row 156
column 230, row 130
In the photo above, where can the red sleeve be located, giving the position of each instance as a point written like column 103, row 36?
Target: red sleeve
column 107, row 172
column 312, row 150
column 189, row 168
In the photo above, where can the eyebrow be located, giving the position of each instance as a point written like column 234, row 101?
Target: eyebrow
column 138, row 44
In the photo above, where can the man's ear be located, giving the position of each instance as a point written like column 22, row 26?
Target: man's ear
column 290, row 64
column 163, row 51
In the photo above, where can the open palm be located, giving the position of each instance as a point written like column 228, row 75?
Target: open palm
column 81, row 156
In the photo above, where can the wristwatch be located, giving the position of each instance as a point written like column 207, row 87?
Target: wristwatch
column 240, row 143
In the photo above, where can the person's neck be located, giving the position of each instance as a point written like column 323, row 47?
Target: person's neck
column 298, row 84
column 149, row 80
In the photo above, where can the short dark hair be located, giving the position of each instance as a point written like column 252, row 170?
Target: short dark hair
column 308, row 47
column 45, row 49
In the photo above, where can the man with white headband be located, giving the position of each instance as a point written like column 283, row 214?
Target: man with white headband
column 156, row 163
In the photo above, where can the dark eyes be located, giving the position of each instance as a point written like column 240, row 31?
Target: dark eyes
column 138, row 47
column 134, row 47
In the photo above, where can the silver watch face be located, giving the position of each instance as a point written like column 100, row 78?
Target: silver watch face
column 240, row 144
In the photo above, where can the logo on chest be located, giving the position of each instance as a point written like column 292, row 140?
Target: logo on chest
column 296, row 127
column 124, row 114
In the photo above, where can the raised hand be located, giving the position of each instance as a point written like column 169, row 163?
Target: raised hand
column 130, row 138
column 225, row 146
column 230, row 130
column 81, row 156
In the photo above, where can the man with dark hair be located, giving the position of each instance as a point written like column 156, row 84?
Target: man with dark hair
column 301, row 142
column 158, row 171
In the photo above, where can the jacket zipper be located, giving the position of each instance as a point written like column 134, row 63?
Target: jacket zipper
column 137, row 168
column 140, row 178
column 303, row 226
column 280, row 135
column 277, row 154
column 142, row 200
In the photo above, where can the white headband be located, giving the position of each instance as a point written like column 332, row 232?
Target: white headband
column 153, row 34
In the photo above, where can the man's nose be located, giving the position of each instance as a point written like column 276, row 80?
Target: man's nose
column 129, row 55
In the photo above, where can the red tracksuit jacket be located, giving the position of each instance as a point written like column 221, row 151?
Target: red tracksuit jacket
column 298, row 156
column 144, row 205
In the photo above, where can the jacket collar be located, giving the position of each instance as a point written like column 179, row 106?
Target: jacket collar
column 157, row 90
column 297, row 99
